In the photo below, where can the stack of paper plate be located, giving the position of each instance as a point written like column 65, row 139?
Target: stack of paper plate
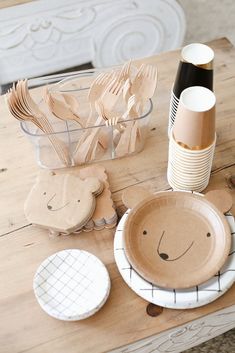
column 71, row 285
column 176, row 258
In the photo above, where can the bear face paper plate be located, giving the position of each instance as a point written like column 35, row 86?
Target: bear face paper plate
column 186, row 298
column 62, row 203
column 176, row 239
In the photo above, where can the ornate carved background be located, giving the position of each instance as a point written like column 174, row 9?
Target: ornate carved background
column 43, row 37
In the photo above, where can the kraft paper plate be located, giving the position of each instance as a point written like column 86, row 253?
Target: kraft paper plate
column 176, row 239
column 175, row 298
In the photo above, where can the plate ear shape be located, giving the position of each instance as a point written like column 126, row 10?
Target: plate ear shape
column 221, row 199
column 134, row 195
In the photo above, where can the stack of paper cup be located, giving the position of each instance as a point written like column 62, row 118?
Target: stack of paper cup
column 195, row 69
column 174, row 102
column 192, row 140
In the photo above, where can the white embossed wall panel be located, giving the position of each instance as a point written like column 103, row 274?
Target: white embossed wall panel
column 46, row 36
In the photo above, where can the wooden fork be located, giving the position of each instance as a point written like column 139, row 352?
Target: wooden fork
column 124, row 74
column 94, row 94
column 96, row 90
column 144, row 83
column 124, row 142
column 22, row 112
column 19, row 112
column 126, row 90
column 109, row 98
column 111, row 95
column 109, row 120
column 34, row 110
column 83, row 151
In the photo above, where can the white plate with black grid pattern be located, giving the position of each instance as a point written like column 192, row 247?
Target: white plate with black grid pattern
column 71, row 285
column 172, row 298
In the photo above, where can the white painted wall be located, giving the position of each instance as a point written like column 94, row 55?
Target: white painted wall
column 209, row 19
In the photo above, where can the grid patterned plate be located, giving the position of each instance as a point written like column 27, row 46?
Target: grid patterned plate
column 71, row 285
column 171, row 298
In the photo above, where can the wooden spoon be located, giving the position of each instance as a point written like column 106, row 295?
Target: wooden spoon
column 60, row 108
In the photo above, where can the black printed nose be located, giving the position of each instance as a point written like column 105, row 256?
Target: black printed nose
column 49, row 207
column 163, row 256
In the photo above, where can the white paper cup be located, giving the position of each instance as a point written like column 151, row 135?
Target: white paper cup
column 187, row 186
column 188, row 153
column 188, row 178
column 194, row 161
column 174, row 97
column 174, row 101
column 195, row 69
column 196, row 175
column 195, row 119
column 189, row 169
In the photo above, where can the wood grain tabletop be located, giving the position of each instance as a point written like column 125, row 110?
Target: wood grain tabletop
column 9, row 3
column 24, row 327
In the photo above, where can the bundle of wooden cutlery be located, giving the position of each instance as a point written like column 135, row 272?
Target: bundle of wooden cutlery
column 117, row 101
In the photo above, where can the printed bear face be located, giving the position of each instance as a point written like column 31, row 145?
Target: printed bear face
column 62, row 202
column 178, row 235
column 176, row 239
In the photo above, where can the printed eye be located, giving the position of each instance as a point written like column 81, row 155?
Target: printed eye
column 78, row 200
column 145, row 232
column 208, row 235
column 44, row 193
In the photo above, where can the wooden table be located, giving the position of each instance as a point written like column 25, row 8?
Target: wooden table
column 123, row 320
column 9, row 3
